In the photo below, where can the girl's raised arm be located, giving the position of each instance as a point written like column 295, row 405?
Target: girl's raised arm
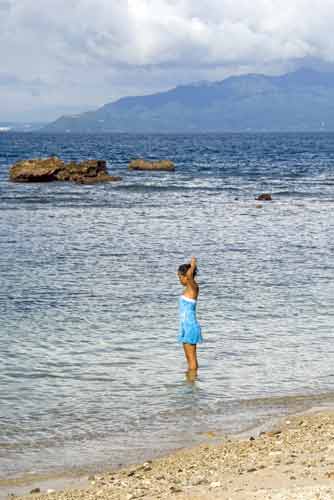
column 192, row 268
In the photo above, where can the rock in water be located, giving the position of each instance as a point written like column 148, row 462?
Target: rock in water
column 36, row 170
column 264, row 197
column 75, row 171
column 101, row 177
column 34, row 491
column 54, row 169
column 166, row 165
column 87, row 172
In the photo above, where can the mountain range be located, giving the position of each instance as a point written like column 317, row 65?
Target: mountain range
column 302, row 100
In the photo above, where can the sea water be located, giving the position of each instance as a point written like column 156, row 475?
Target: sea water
column 91, row 374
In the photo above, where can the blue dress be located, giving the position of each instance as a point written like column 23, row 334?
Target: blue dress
column 190, row 330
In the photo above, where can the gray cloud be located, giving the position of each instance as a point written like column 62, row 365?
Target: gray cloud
column 74, row 54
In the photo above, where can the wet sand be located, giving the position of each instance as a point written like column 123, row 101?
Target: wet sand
column 293, row 461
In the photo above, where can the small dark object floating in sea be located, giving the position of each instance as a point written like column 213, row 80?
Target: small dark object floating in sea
column 264, row 197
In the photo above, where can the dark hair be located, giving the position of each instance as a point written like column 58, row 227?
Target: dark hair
column 184, row 269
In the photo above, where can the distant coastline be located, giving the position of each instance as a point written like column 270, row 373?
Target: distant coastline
column 6, row 127
column 301, row 101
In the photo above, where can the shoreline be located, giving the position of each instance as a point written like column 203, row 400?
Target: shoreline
column 294, row 460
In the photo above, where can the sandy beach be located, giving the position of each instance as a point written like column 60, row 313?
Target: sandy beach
column 295, row 460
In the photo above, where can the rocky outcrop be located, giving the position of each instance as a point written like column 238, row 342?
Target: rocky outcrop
column 54, row 169
column 165, row 165
column 36, row 170
column 87, row 172
column 264, row 197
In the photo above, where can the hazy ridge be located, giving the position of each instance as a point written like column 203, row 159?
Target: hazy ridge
column 298, row 101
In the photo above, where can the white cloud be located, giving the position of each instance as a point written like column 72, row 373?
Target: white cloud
column 86, row 52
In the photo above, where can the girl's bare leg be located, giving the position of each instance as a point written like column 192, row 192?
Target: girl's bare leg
column 190, row 351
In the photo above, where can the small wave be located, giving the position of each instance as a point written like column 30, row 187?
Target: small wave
column 40, row 199
column 139, row 188
column 297, row 194
column 289, row 400
column 145, row 187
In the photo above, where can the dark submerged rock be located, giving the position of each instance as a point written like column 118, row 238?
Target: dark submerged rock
column 264, row 197
column 94, row 180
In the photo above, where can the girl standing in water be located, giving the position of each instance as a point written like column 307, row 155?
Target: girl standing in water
column 190, row 330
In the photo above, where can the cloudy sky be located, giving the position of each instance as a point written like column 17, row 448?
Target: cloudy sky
column 66, row 56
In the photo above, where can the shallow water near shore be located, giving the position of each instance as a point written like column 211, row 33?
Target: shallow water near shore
column 90, row 371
